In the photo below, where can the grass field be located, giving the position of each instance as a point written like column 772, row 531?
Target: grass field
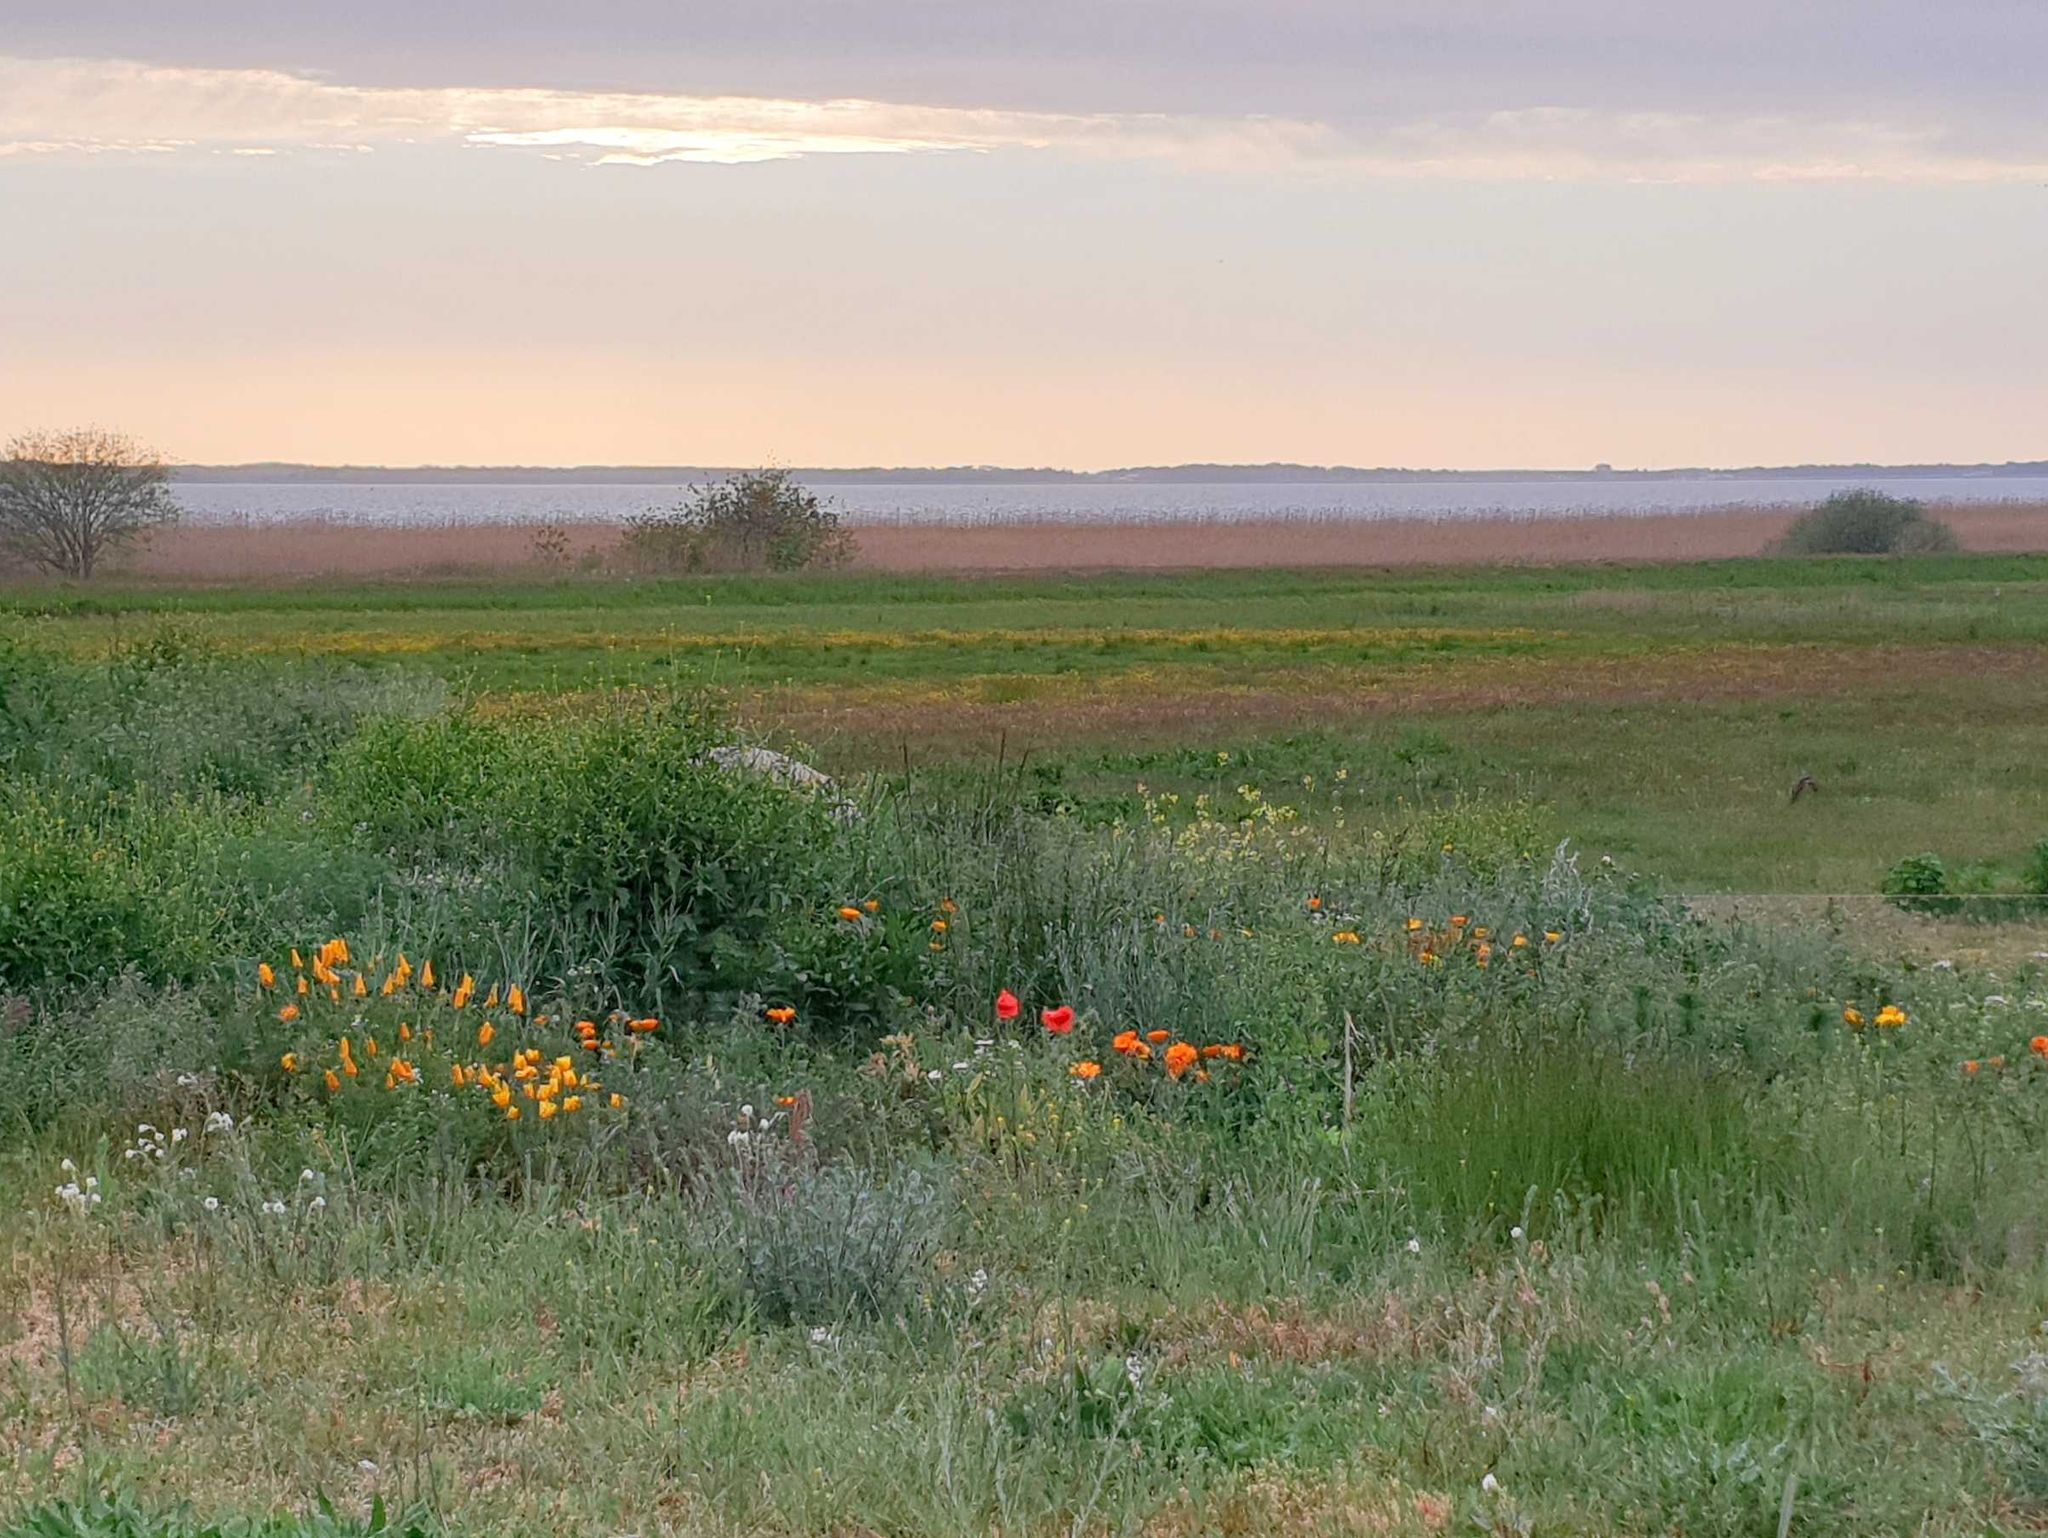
column 1253, row 1055
column 1662, row 713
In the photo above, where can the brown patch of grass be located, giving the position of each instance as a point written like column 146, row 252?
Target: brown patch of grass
column 1146, row 708
column 1338, row 1505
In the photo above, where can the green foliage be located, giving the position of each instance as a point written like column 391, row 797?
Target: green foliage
column 623, row 855
column 121, row 1516
column 756, row 520
column 1865, row 522
column 2036, row 876
column 1918, row 875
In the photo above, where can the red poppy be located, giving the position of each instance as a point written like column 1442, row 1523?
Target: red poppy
column 1007, row 1007
column 1058, row 1021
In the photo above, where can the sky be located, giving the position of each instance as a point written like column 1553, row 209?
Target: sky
column 1456, row 233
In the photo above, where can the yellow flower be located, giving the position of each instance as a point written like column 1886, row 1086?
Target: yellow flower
column 501, row 1096
column 426, row 974
column 289, row 1013
column 850, row 914
column 511, row 1113
column 618, row 1101
column 1414, row 925
column 1519, row 941
column 573, row 1104
column 1086, row 1071
column 333, row 1082
column 1890, row 1018
column 547, row 1110
column 1552, row 936
column 1852, row 1017
column 515, row 999
column 1346, row 937
column 265, row 976
column 289, row 1062
column 484, row 1033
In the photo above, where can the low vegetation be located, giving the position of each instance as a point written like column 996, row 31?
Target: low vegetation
column 758, row 520
column 434, row 1110
column 1864, row 522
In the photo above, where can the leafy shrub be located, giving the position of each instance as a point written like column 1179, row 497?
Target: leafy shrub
column 1918, row 875
column 759, row 519
column 609, row 843
column 2037, row 868
column 1864, row 522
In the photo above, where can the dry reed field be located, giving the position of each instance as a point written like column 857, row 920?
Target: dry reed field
column 259, row 552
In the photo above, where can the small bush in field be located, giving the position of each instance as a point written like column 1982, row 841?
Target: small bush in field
column 1918, row 875
column 1862, row 522
column 820, row 1245
column 754, row 521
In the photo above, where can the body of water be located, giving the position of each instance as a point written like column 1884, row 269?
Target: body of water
column 405, row 503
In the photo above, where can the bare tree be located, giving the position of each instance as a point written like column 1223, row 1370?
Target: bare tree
column 68, row 499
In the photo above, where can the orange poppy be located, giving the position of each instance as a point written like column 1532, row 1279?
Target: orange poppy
column 1180, row 1057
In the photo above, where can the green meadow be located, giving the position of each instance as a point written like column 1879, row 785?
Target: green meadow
column 1266, row 1053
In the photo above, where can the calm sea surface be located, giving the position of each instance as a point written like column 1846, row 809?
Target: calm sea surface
column 1092, row 502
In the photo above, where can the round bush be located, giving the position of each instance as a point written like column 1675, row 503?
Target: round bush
column 1865, row 522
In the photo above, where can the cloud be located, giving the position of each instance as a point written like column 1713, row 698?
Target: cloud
column 100, row 107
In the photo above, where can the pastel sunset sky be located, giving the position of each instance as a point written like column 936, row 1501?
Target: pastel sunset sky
column 1081, row 232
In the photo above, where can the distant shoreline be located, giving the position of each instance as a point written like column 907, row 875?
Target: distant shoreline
column 267, row 473
column 312, row 550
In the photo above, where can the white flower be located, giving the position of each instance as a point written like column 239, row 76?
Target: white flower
column 219, row 1121
column 68, row 1167
column 821, row 1336
column 178, row 1134
column 746, row 1113
column 1414, row 1246
column 211, row 1204
column 273, row 1209
column 934, row 1076
column 1490, row 1485
column 317, row 1204
column 1944, row 966
column 735, row 1138
column 92, row 1182
column 143, row 1129
column 367, row 1466
column 307, row 1177
column 130, row 1153
column 1996, row 1000
column 1515, row 1233
column 188, row 1081
column 961, row 1067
